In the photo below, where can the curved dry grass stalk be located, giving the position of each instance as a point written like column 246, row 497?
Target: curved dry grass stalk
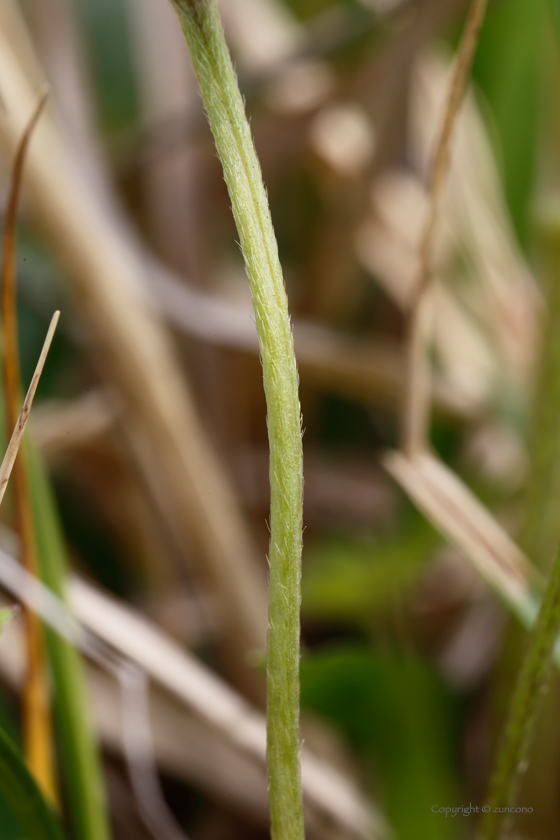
column 138, row 748
column 417, row 396
column 486, row 312
column 185, row 747
column 502, row 293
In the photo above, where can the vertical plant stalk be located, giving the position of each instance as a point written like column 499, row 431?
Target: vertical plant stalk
column 79, row 754
column 541, row 527
column 417, row 385
column 511, row 761
column 202, row 27
column 37, row 724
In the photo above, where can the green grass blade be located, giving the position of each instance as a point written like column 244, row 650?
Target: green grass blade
column 78, row 754
column 24, row 797
column 541, row 528
column 509, row 69
column 524, row 709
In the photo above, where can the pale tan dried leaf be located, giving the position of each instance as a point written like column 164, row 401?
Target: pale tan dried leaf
column 467, row 524
column 17, row 434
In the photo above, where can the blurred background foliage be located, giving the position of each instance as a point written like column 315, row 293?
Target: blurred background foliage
column 404, row 662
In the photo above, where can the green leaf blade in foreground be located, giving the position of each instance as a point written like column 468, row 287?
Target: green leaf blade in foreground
column 80, row 760
column 24, row 797
column 218, row 84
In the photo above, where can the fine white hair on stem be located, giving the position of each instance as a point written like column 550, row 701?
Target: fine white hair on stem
column 224, row 105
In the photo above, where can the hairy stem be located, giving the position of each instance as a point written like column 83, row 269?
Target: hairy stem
column 218, row 84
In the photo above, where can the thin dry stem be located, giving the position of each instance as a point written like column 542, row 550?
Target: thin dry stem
column 19, row 430
column 38, row 736
column 417, row 387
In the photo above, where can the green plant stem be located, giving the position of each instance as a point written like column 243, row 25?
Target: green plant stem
column 24, row 797
column 540, row 531
column 541, row 527
column 524, row 707
column 79, row 755
column 218, row 84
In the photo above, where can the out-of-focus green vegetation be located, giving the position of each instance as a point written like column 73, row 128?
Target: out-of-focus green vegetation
column 509, row 67
column 403, row 645
column 402, row 722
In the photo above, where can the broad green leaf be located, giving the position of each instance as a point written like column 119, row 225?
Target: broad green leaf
column 400, row 719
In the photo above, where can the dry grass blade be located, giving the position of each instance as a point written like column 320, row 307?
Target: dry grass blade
column 416, row 403
column 190, row 747
column 138, row 748
column 503, row 294
column 19, row 430
column 331, row 797
column 38, row 735
column 327, row 792
column 460, row 517
column 185, row 748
